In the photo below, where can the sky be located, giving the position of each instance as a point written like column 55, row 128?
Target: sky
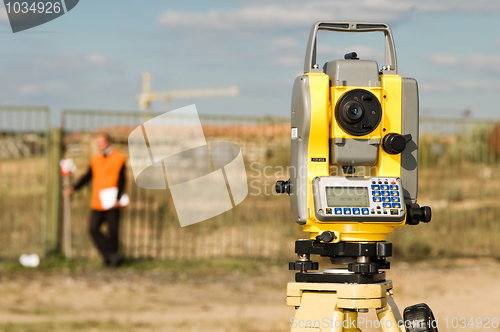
column 93, row 57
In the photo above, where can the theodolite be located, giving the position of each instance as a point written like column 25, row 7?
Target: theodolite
column 354, row 171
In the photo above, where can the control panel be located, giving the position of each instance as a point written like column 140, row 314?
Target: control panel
column 377, row 199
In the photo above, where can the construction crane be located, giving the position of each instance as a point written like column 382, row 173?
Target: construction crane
column 147, row 96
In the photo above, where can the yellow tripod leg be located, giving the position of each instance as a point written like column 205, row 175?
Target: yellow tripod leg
column 330, row 307
column 388, row 318
column 318, row 312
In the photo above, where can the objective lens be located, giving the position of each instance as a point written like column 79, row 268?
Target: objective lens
column 352, row 112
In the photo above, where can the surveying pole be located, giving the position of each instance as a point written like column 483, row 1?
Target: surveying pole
column 147, row 96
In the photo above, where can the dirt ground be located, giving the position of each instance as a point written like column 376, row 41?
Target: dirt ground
column 157, row 299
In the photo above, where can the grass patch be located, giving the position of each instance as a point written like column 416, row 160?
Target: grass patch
column 196, row 267
column 108, row 325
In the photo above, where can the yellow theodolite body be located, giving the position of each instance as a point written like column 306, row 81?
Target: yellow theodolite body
column 324, row 126
column 321, row 146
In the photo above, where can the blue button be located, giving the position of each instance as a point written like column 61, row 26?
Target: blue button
column 365, row 211
column 387, row 206
column 375, row 187
column 347, row 211
column 385, row 187
column 394, row 187
column 387, row 199
column 396, row 206
column 328, row 211
column 395, row 199
column 395, row 193
column 385, row 193
column 338, row 211
column 376, row 199
column 355, row 211
column 375, row 193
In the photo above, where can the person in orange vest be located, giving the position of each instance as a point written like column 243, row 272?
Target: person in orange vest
column 106, row 170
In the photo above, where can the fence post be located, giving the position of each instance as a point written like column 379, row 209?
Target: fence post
column 56, row 190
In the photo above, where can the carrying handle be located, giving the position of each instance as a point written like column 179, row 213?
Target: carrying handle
column 390, row 66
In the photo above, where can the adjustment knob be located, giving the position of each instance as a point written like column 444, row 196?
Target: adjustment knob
column 282, row 187
column 326, row 237
column 426, row 214
column 303, row 266
column 416, row 214
column 395, row 143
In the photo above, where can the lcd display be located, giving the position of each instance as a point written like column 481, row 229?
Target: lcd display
column 347, row 197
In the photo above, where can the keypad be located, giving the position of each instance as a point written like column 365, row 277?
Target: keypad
column 385, row 200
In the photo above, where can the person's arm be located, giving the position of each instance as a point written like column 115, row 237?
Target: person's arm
column 121, row 182
column 84, row 179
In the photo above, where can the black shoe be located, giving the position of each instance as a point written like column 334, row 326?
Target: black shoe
column 115, row 260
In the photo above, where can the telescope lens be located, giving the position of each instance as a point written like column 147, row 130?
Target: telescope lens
column 358, row 112
column 352, row 112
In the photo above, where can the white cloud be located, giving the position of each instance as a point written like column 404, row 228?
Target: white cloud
column 289, row 61
column 40, row 89
column 470, row 63
column 29, row 90
column 3, row 15
column 284, row 42
column 462, row 85
column 363, row 51
column 70, row 61
column 97, row 59
column 298, row 13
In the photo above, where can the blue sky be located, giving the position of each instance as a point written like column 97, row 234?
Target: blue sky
column 93, row 57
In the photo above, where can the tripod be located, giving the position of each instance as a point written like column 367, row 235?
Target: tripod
column 330, row 301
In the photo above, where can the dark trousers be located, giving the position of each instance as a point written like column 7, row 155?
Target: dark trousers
column 106, row 244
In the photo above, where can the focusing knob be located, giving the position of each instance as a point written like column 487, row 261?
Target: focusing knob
column 326, row 237
column 282, row 187
column 417, row 214
column 395, row 143
column 426, row 214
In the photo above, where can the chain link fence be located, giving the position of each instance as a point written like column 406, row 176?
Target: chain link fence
column 25, row 184
column 459, row 177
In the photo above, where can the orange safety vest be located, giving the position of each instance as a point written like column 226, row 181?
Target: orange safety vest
column 105, row 173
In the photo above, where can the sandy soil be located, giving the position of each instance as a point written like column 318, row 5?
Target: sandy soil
column 128, row 299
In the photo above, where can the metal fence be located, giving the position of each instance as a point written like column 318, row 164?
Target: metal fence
column 150, row 227
column 459, row 177
column 25, row 181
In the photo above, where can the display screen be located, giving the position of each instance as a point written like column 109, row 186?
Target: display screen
column 347, row 197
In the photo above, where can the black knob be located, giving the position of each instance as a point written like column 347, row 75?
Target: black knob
column 351, row 56
column 416, row 214
column 363, row 268
column 348, row 169
column 303, row 265
column 326, row 237
column 282, row 187
column 426, row 214
column 395, row 143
